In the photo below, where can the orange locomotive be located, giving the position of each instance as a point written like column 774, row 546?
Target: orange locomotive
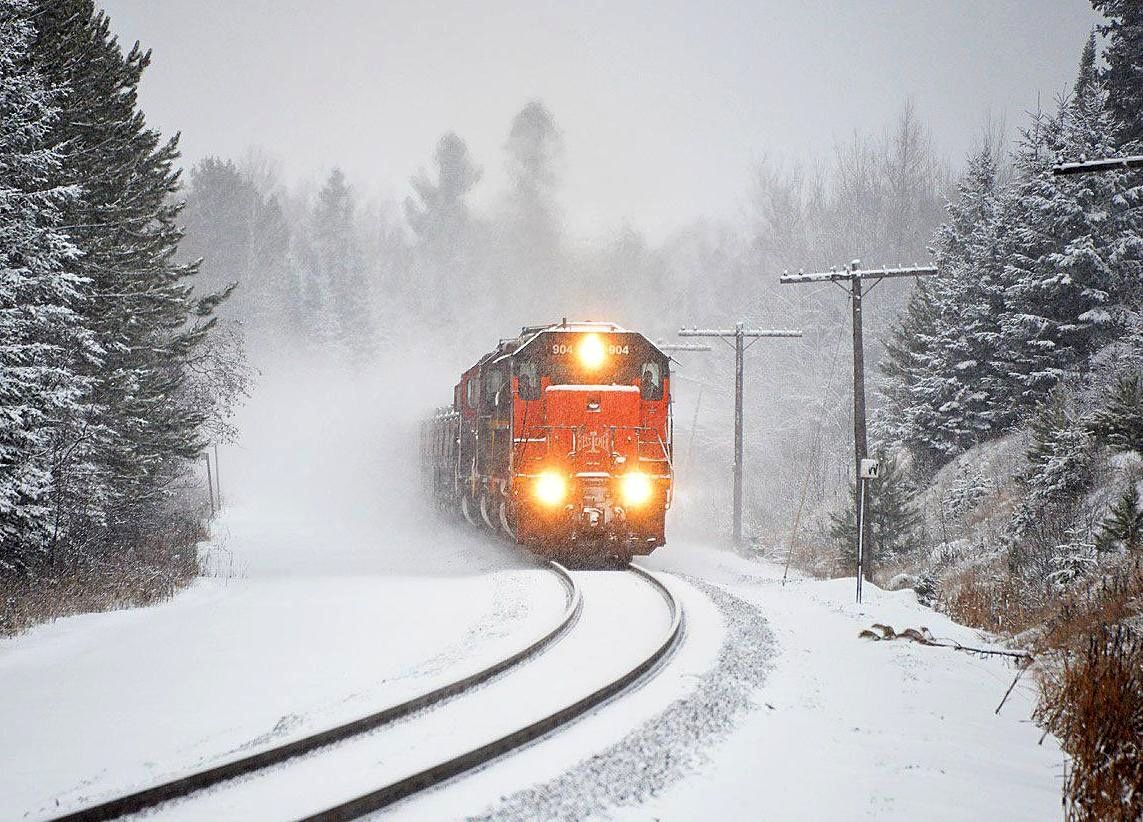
column 560, row 439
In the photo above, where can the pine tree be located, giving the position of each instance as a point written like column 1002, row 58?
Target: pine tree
column 43, row 400
column 1119, row 423
column 242, row 237
column 1123, row 75
column 1076, row 250
column 440, row 218
column 532, row 232
column 946, row 386
column 337, row 267
column 1123, row 527
column 1060, row 456
column 895, row 521
column 139, row 302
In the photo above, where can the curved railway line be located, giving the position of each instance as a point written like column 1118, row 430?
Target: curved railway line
column 440, row 772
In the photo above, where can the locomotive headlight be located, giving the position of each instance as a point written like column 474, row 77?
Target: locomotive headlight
column 591, row 351
column 551, row 488
column 635, row 488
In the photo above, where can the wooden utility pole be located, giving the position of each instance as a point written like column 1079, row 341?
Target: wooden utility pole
column 209, row 483
column 856, row 277
column 739, row 334
column 217, row 478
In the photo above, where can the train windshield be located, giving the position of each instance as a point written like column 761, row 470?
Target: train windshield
column 602, row 359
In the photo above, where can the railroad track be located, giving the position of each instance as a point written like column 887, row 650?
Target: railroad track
column 427, row 777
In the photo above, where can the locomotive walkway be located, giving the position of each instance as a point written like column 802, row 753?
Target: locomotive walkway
column 355, row 768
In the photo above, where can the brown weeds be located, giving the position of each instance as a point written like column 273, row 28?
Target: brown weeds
column 1093, row 701
column 152, row 572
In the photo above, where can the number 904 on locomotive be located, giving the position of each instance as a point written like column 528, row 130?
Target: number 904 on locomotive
column 560, row 439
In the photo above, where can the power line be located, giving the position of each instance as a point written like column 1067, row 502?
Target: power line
column 865, row 469
column 738, row 334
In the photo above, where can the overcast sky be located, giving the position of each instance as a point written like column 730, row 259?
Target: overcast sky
column 665, row 106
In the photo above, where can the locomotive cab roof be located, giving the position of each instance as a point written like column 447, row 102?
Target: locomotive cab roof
column 530, row 333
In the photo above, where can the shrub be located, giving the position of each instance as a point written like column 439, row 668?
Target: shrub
column 1094, row 704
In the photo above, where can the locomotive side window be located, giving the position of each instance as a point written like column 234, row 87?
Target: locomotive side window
column 529, row 374
column 493, row 380
column 651, row 381
column 472, row 391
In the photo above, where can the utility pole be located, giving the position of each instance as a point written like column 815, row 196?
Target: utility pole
column 217, row 478
column 664, row 346
column 739, row 334
column 856, row 277
column 209, row 484
column 1102, row 164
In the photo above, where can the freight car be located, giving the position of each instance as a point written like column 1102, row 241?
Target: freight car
column 560, row 439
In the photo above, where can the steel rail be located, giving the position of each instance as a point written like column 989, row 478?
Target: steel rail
column 191, row 783
column 475, row 758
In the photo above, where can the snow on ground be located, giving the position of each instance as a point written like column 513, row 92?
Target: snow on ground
column 333, row 595
column 845, row 728
column 96, row 704
column 589, row 655
column 615, row 752
column 794, row 717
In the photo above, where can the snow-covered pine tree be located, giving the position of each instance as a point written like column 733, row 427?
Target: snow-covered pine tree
column 1076, row 247
column 443, row 227
column 336, row 263
column 42, row 397
column 139, row 304
column 1123, row 73
column 241, row 235
column 1123, row 527
column 895, row 521
column 1119, row 421
column 1060, row 457
column 531, row 234
column 945, row 388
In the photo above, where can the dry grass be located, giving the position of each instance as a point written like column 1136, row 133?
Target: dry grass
column 1114, row 598
column 1090, row 667
column 984, row 598
column 1093, row 702
column 149, row 573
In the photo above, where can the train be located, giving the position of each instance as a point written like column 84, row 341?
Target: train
column 559, row 439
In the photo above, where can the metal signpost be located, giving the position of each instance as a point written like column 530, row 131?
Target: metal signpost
column 856, row 277
column 739, row 334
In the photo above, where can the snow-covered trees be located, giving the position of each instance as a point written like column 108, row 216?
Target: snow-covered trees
column 99, row 328
column 1038, row 273
column 44, row 403
column 946, row 383
column 1123, row 527
column 337, row 289
column 139, row 307
column 1072, row 239
column 447, row 271
column 529, row 231
column 240, row 234
column 1123, row 74
column 1119, row 422
column 895, row 521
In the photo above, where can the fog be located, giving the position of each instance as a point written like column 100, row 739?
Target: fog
column 665, row 107
column 397, row 187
